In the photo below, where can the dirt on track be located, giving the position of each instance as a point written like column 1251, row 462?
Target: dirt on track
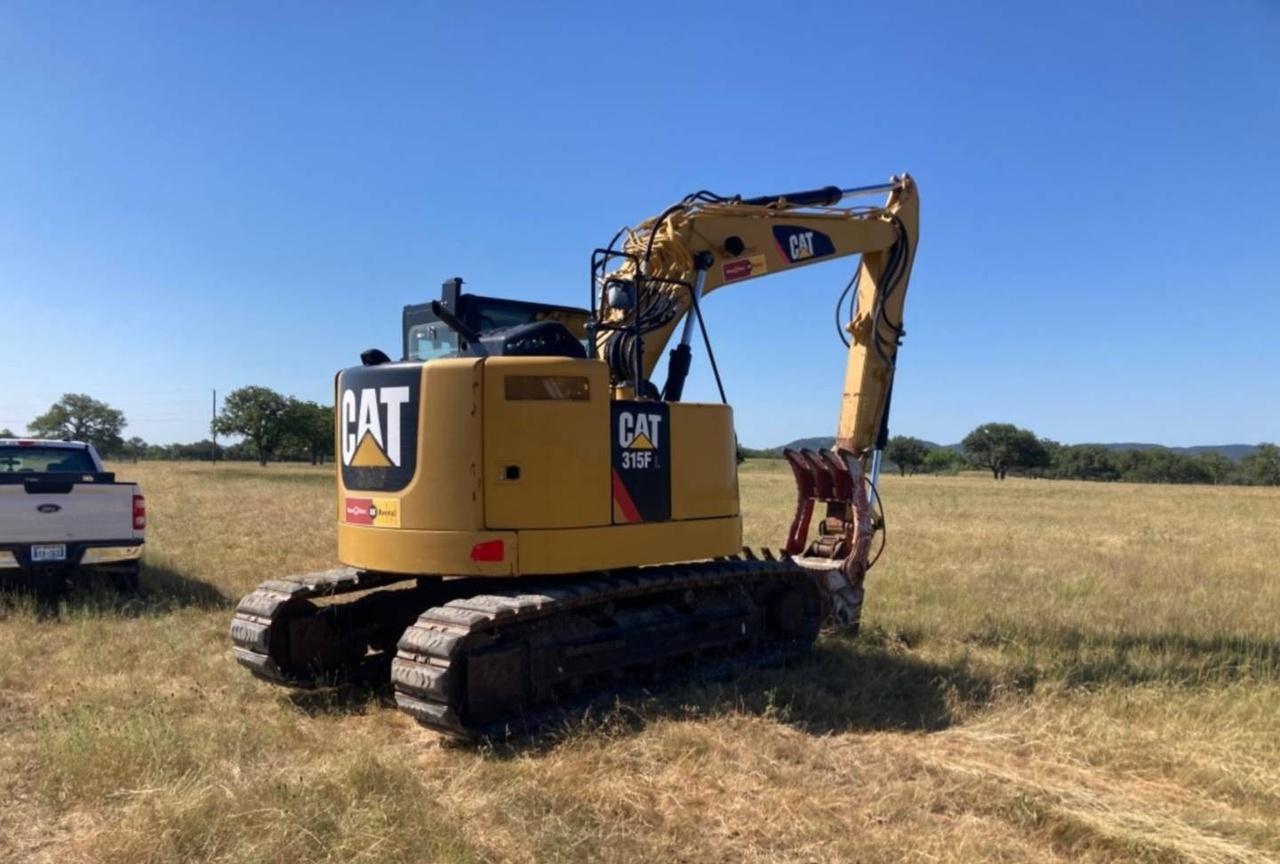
column 1050, row 671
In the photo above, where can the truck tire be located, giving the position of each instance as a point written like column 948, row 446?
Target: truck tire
column 124, row 579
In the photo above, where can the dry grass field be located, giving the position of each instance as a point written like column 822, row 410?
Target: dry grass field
column 1050, row 671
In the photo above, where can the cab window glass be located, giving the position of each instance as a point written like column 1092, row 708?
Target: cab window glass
column 431, row 341
column 40, row 460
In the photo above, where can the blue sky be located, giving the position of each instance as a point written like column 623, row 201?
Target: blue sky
column 199, row 195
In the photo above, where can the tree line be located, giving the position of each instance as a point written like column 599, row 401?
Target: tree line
column 275, row 427
column 270, row 425
column 1004, row 449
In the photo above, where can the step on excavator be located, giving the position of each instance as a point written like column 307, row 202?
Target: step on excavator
column 525, row 519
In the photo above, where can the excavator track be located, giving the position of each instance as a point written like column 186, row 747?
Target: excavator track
column 493, row 663
column 281, row 635
column 473, row 658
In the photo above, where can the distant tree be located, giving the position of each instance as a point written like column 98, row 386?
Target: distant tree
column 311, row 426
column 6, row 433
column 1186, row 469
column 1161, row 465
column 907, row 453
column 260, row 414
column 197, row 451
column 1128, row 464
column 1084, row 462
column 134, row 449
column 241, row 451
column 1217, row 467
column 82, row 418
column 1001, row 447
column 1053, row 455
column 1262, row 467
column 1035, row 455
column 941, row 460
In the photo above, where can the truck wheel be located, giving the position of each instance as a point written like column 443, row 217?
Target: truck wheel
column 125, row 579
column 49, row 586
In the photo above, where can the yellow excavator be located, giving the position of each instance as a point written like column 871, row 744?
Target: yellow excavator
column 525, row 518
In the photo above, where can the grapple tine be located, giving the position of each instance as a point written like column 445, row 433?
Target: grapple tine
column 823, row 479
column 842, row 479
column 799, row 530
column 802, row 470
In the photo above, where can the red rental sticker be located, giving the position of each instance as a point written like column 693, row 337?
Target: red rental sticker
column 737, row 269
column 359, row 511
column 744, row 268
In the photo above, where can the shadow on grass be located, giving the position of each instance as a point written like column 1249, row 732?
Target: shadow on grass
column 1078, row 657
column 347, row 699
column 170, row 588
column 159, row 591
column 843, row 685
column 876, row 683
column 1167, row 658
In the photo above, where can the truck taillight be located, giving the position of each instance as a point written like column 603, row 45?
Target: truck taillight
column 139, row 512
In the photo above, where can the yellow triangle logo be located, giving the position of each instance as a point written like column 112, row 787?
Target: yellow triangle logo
column 640, row 442
column 369, row 454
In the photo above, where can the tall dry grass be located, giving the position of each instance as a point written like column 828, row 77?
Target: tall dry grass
column 1049, row 671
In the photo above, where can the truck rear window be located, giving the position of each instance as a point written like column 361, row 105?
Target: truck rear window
column 16, row 459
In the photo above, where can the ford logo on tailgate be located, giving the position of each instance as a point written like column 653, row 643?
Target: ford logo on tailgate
column 49, row 508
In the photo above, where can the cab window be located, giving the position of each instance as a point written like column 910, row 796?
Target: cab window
column 25, row 459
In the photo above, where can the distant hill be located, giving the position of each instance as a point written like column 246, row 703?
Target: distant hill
column 829, row 441
column 825, row 443
column 1231, row 451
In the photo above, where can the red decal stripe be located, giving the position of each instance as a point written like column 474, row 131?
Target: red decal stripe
column 623, row 499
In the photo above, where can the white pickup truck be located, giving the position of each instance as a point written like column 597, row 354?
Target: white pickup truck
column 61, row 513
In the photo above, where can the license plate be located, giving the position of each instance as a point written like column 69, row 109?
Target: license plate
column 49, row 552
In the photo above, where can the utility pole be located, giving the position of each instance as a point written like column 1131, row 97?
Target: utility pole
column 213, row 429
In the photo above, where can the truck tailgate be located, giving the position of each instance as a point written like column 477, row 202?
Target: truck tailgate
column 40, row 512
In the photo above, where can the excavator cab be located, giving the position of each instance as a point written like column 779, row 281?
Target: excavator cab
column 496, row 326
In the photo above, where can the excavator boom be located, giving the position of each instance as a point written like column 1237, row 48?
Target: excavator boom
column 670, row 263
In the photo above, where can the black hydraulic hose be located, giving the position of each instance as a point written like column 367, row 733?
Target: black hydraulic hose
column 884, row 524
column 882, row 437
column 853, row 282
column 711, row 355
column 827, row 196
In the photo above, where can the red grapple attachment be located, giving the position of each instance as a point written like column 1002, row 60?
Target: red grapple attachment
column 839, row 551
column 823, row 476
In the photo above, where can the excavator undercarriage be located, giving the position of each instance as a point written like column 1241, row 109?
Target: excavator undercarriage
column 473, row 659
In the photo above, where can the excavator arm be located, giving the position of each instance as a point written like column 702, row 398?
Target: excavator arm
column 670, row 263
column 667, row 266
